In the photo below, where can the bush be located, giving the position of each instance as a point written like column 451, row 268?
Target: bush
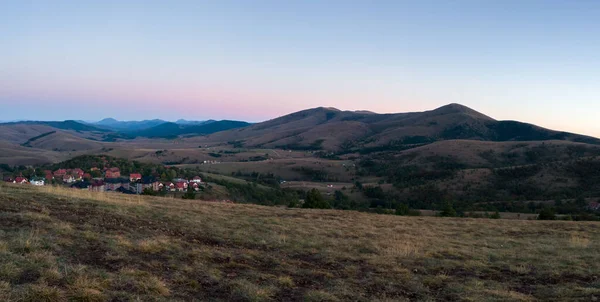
column 402, row 209
column 448, row 211
column 315, row 200
column 496, row 215
column 190, row 194
column 547, row 214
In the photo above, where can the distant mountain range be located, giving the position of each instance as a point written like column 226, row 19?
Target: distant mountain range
column 312, row 129
column 110, row 129
column 129, row 126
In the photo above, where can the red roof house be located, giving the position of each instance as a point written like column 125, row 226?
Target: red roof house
column 60, row 173
column 68, row 178
column 112, row 173
column 20, row 180
column 77, row 173
column 135, row 177
column 181, row 186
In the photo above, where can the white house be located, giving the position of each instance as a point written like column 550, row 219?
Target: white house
column 37, row 181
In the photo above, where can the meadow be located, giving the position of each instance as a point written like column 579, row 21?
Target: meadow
column 60, row 244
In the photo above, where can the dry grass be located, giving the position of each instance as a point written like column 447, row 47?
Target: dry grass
column 60, row 244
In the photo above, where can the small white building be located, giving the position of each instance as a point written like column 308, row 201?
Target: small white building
column 37, row 181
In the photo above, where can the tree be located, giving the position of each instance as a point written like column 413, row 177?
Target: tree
column 402, row 209
column 190, row 194
column 547, row 213
column 315, row 200
column 448, row 211
column 341, row 200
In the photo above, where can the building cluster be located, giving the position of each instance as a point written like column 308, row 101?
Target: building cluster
column 112, row 181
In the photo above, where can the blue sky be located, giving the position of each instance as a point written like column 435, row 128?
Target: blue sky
column 533, row 61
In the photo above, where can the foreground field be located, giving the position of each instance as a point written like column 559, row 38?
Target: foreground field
column 60, row 244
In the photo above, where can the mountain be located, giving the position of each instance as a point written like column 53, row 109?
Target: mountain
column 20, row 132
column 172, row 130
column 115, row 125
column 186, row 122
column 64, row 125
column 333, row 129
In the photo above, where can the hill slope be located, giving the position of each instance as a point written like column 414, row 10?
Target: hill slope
column 332, row 129
column 62, row 141
column 12, row 154
column 171, row 130
column 72, row 245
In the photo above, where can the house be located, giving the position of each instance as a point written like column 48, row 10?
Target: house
column 20, row 180
column 594, row 206
column 112, row 173
column 168, row 186
column 181, row 186
column 77, row 173
column 133, row 177
column 112, row 184
column 87, row 176
column 196, row 179
column 37, row 181
column 49, row 176
column 68, row 179
column 97, row 186
column 60, row 173
column 147, row 183
column 8, row 179
column 195, row 185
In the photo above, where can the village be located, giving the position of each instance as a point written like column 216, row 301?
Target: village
column 110, row 180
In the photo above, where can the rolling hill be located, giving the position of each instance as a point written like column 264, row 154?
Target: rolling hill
column 332, row 129
column 62, row 141
column 12, row 154
column 172, row 130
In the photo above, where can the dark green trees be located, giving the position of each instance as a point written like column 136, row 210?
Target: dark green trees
column 315, row 200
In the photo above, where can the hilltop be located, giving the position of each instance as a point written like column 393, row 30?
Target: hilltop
column 334, row 130
column 59, row 245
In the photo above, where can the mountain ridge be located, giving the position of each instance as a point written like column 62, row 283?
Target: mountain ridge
column 331, row 128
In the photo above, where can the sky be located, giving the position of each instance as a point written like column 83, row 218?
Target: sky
column 531, row 61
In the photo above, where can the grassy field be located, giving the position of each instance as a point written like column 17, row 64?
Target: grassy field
column 60, row 245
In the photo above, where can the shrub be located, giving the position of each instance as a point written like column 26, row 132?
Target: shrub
column 315, row 200
column 547, row 214
column 448, row 211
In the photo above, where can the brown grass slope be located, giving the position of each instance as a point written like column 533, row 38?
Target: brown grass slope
column 12, row 154
column 59, row 245
column 334, row 128
column 20, row 133
column 64, row 141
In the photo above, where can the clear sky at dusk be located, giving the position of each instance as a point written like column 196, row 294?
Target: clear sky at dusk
column 533, row 61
